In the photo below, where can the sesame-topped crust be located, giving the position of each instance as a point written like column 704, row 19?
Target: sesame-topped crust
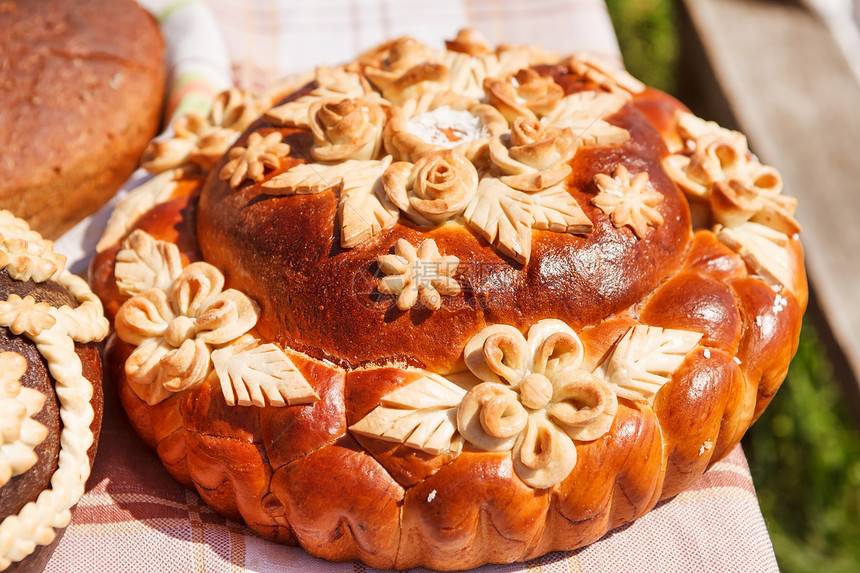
column 483, row 289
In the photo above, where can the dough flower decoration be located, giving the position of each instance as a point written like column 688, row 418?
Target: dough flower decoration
column 522, row 188
column 434, row 189
column 235, row 109
column 25, row 315
column 533, row 157
column 442, row 120
column 585, row 114
column 628, row 202
column 534, row 399
column 598, row 71
column 199, row 142
column 404, row 70
column 418, row 275
column 329, row 83
column 346, row 129
column 533, row 395
column 183, row 324
column 250, row 162
column 24, row 254
column 19, row 432
column 175, row 330
column 432, row 128
column 752, row 217
column 717, row 166
column 524, row 94
column 469, row 66
column 469, row 41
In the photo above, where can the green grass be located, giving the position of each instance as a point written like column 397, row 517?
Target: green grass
column 804, row 451
column 648, row 39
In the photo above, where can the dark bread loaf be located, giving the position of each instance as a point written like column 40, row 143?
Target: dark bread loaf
column 50, row 393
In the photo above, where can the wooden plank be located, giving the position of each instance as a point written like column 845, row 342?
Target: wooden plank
column 773, row 70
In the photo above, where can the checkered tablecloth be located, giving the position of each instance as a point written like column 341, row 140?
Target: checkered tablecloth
column 134, row 517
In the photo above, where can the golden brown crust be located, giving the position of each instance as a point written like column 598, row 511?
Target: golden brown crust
column 312, row 475
column 345, row 319
column 174, row 220
column 363, row 524
column 495, row 520
column 364, row 390
column 79, row 105
column 662, row 110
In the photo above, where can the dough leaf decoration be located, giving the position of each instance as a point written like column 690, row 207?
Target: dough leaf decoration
column 584, row 113
column 644, row 359
column 615, row 81
column 144, row 262
column 421, row 415
column 764, row 250
column 505, row 216
column 555, row 209
column 253, row 374
column 364, row 209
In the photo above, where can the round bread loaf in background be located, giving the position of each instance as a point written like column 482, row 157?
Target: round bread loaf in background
column 81, row 91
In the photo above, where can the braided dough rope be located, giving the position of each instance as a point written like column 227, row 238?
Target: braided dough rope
column 35, row 523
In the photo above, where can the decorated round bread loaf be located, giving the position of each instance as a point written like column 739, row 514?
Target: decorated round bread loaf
column 50, row 393
column 450, row 307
